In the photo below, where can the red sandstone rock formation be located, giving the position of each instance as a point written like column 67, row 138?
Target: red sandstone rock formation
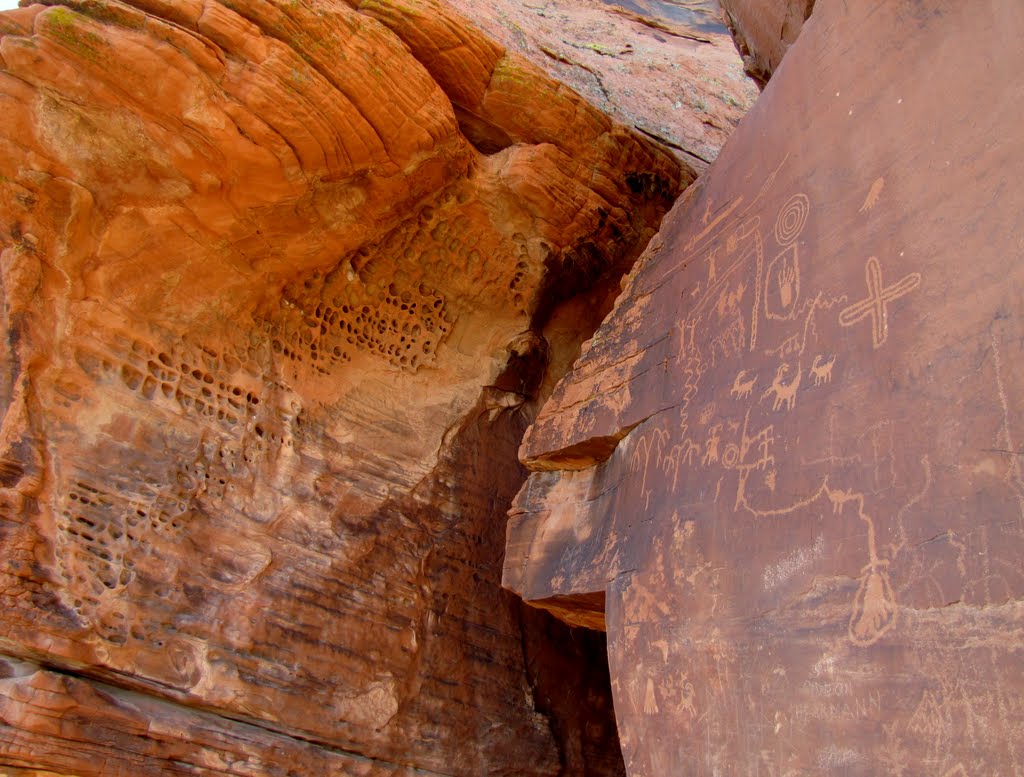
column 281, row 281
column 786, row 473
column 667, row 68
column 764, row 30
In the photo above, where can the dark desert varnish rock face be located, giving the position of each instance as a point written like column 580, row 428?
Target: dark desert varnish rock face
column 280, row 281
column 787, row 474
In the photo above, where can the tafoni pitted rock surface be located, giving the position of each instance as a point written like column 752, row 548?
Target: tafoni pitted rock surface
column 282, row 282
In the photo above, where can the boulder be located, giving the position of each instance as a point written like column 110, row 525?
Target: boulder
column 763, row 31
column 786, row 473
column 667, row 68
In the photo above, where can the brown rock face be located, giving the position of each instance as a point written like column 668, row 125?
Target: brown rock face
column 281, row 282
column 786, row 472
column 764, row 30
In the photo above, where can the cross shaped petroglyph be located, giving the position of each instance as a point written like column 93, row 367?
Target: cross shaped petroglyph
column 879, row 296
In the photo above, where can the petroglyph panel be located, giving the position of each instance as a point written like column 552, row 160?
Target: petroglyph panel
column 804, row 493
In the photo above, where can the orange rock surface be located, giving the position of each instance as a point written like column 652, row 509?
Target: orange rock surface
column 281, row 282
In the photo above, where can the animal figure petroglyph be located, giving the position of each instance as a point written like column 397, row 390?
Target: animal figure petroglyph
column 785, row 393
column 873, row 194
column 821, row 370
column 742, row 386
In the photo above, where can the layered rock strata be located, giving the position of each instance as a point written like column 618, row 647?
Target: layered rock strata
column 786, row 472
column 665, row 67
column 281, row 282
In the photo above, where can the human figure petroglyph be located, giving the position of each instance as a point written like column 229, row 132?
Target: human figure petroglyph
column 712, row 269
column 687, row 695
column 711, row 451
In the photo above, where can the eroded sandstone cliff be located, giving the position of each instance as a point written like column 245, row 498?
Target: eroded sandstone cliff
column 668, row 68
column 281, row 283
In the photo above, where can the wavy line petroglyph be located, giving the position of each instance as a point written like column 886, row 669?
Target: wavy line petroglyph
column 797, row 343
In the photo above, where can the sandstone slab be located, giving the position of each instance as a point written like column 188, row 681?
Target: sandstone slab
column 786, row 472
column 763, row 31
